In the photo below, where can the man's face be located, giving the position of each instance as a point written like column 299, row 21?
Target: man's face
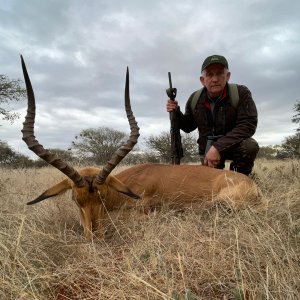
column 214, row 78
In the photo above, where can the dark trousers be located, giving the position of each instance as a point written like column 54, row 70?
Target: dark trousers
column 242, row 156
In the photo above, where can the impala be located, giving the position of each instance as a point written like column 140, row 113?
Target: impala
column 96, row 191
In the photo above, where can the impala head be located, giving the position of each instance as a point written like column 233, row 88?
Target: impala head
column 89, row 184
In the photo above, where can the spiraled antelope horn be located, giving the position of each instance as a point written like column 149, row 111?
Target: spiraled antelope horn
column 126, row 148
column 33, row 144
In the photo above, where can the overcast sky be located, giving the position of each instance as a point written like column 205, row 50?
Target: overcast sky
column 77, row 52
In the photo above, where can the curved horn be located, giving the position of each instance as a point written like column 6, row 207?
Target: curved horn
column 126, row 148
column 33, row 144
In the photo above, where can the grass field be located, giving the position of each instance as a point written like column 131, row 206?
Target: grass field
column 191, row 254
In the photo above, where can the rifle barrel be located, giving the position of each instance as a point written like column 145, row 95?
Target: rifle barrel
column 170, row 80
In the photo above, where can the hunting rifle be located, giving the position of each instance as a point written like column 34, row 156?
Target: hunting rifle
column 176, row 146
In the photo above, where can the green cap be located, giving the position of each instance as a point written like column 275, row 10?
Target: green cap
column 214, row 59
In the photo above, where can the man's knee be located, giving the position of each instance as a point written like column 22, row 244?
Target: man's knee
column 249, row 148
column 243, row 156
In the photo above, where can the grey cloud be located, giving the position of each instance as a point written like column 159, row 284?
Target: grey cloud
column 77, row 53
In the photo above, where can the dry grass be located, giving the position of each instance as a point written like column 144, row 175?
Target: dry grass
column 192, row 254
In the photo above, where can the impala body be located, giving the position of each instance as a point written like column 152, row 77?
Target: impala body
column 181, row 185
column 147, row 186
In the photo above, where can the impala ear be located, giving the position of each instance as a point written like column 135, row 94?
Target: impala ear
column 55, row 190
column 120, row 187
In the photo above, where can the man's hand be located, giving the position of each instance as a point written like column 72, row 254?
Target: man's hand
column 172, row 105
column 212, row 157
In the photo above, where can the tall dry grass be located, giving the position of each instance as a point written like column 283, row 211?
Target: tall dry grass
column 191, row 254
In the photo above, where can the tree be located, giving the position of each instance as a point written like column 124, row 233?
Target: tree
column 134, row 158
column 11, row 158
column 267, row 152
column 161, row 145
column 190, row 148
column 292, row 145
column 7, row 155
column 98, row 144
column 65, row 155
column 10, row 91
column 296, row 117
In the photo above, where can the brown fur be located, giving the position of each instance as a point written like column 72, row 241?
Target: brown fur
column 156, row 184
column 181, row 185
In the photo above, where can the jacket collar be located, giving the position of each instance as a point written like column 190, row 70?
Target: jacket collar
column 208, row 100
